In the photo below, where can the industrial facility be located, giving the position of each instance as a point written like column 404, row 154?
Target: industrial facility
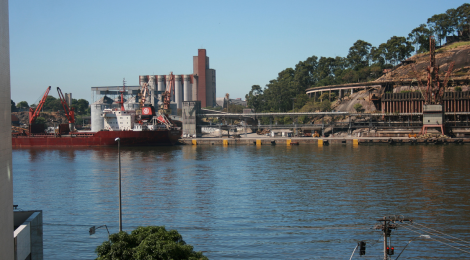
column 199, row 86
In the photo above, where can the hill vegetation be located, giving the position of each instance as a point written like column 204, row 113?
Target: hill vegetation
column 363, row 63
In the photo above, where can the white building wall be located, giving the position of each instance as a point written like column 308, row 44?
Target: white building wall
column 118, row 121
column 6, row 175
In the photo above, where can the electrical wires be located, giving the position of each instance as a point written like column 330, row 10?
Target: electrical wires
column 437, row 236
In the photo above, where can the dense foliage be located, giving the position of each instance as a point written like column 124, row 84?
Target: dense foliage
column 147, row 243
column 81, row 106
column 22, row 104
column 363, row 63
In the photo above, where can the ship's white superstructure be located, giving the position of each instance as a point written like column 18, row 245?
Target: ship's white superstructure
column 118, row 120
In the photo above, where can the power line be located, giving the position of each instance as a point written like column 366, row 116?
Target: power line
column 443, row 233
column 439, row 241
column 439, row 236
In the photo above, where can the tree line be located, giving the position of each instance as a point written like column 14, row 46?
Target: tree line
column 80, row 106
column 363, row 63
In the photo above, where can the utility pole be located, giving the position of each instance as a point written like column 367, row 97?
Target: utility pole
column 386, row 227
column 119, row 177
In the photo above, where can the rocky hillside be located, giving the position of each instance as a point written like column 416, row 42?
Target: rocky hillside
column 49, row 116
column 458, row 52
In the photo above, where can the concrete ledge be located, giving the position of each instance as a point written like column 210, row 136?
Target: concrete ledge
column 316, row 141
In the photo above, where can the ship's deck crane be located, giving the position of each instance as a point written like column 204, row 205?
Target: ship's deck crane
column 33, row 114
column 69, row 112
column 169, row 91
column 122, row 94
column 144, row 92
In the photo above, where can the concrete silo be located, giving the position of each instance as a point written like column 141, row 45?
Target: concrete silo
column 187, row 88
column 168, row 84
column 97, row 122
column 153, row 90
column 143, row 79
column 160, row 86
column 178, row 91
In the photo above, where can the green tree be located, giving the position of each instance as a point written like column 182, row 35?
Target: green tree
column 396, row 49
column 80, row 106
column 234, row 108
column 22, row 104
column 40, row 120
column 440, row 26
column 145, row 243
column 379, row 54
column 419, row 36
column 359, row 55
column 463, row 17
column 13, row 107
column 358, row 107
column 300, row 101
column 52, row 104
column 254, row 98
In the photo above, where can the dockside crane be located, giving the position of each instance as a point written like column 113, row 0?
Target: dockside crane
column 33, row 114
column 144, row 92
column 69, row 112
column 166, row 97
column 170, row 88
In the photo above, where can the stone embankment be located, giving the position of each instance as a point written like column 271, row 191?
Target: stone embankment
column 324, row 141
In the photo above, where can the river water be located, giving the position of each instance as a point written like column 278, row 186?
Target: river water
column 248, row 202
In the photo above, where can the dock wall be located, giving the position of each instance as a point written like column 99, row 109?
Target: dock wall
column 320, row 141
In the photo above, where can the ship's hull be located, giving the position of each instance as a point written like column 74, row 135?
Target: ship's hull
column 101, row 138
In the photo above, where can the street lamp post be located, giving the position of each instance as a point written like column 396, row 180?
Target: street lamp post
column 119, row 160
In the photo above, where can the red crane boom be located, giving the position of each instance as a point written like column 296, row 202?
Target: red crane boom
column 69, row 112
column 33, row 114
column 169, row 90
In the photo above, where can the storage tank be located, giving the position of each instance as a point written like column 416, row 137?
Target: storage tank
column 187, row 88
column 97, row 122
column 143, row 79
column 153, row 90
column 152, row 83
column 168, row 84
column 161, row 83
column 178, row 92
column 160, row 86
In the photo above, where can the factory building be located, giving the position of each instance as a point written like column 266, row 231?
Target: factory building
column 199, row 86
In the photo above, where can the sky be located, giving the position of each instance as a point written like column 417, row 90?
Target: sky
column 76, row 45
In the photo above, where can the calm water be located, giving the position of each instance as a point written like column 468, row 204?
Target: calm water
column 245, row 202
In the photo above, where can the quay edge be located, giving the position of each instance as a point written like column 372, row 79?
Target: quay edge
column 325, row 141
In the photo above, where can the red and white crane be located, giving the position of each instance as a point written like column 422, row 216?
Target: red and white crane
column 69, row 112
column 33, row 114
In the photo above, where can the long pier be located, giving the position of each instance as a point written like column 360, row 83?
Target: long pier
column 321, row 141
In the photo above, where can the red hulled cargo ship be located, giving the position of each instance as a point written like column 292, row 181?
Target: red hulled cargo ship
column 143, row 129
column 101, row 138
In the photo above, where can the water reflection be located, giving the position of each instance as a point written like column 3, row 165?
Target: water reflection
column 247, row 201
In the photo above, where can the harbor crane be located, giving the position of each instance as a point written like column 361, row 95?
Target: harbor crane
column 434, row 91
column 69, row 111
column 33, row 114
column 170, row 88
